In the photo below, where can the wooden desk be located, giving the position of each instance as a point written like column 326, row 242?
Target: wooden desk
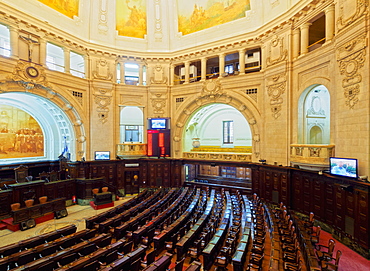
column 38, row 210
column 84, row 187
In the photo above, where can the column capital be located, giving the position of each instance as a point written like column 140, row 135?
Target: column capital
column 330, row 8
column 305, row 25
column 296, row 31
column 221, row 54
column 242, row 50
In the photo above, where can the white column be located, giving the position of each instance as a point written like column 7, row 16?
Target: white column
column 296, row 41
column 42, row 60
column 67, row 60
column 329, row 23
column 242, row 61
column 172, row 74
column 187, row 71
column 221, row 65
column 122, row 72
column 304, row 38
column 203, row 69
column 140, row 74
column 14, row 41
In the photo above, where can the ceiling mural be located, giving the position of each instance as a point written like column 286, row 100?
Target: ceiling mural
column 131, row 18
column 20, row 134
column 68, row 8
column 196, row 15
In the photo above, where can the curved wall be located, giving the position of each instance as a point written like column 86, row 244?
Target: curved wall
column 269, row 98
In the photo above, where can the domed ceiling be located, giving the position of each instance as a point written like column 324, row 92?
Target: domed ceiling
column 157, row 25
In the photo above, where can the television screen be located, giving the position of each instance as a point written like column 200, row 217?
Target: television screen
column 343, row 167
column 102, row 155
column 158, row 124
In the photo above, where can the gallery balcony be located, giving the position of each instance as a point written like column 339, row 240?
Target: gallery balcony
column 219, row 153
column 129, row 150
column 311, row 156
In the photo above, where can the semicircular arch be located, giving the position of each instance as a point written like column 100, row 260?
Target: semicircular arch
column 241, row 103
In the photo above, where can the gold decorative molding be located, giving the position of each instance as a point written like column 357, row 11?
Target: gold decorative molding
column 276, row 48
column 351, row 58
column 102, row 70
column 212, row 89
column 275, row 89
column 361, row 9
column 29, row 76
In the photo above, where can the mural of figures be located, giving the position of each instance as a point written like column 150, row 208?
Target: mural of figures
column 196, row 15
column 20, row 134
column 66, row 7
column 131, row 18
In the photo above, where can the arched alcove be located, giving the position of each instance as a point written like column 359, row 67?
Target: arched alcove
column 56, row 128
column 211, row 124
column 314, row 116
column 131, row 124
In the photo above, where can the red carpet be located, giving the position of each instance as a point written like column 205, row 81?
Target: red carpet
column 350, row 260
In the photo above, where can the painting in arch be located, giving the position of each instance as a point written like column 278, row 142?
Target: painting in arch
column 131, row 18
column 20, row 134
column 68, row 8
column 196, row 15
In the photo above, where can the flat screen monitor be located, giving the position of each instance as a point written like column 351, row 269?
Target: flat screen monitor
column 158, row 124
column 346, row 167
column 102, row 155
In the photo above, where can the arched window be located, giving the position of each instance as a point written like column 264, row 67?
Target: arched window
column 314, row 116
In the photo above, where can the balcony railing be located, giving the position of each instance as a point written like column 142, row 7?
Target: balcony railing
column 311, row 153
column 131, row 149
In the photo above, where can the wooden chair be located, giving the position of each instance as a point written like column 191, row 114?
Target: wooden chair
column 149, row 259
column 315, row 236
column 328, row 254
column 15, row 206
column 329, row 266
column 292, row 266
column 43, row 199
column 29, row 202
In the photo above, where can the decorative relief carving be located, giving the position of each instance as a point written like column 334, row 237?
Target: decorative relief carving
column 360, row 10
column 158, row 104
column 29, row 76
column 102, row 70
column 103, row 18
column 276, row 52
column 275, row 89
column 158, row 22
column 158, row 76
column 351, row 58
column 212, row 89
column 314, row 152
column 103, row 100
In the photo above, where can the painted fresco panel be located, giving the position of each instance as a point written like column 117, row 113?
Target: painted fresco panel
column 131, row 18
column 20, row 134
column 196, row 15
column 66, row 7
